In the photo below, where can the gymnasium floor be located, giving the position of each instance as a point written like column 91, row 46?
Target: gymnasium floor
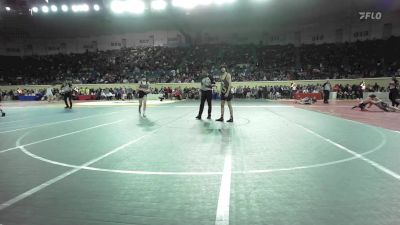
column 278, row 164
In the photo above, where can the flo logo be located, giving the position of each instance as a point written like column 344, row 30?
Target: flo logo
column 370, row 15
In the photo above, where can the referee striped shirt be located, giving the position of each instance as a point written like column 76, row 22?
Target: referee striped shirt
column 206, row 84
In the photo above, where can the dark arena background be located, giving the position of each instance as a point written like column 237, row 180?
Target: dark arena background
column 199, row 112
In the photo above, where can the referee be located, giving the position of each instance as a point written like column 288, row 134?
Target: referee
column 327, row 87
column 66, row 88
column 206, row 94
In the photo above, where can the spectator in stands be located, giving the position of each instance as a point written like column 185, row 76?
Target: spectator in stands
column 249, row 63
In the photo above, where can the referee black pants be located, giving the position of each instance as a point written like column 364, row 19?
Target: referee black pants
column 205, row 95
column 66, row 96
column 326, row 96
column 393, row 95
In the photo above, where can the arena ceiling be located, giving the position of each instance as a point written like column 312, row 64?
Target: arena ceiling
column 267, row 14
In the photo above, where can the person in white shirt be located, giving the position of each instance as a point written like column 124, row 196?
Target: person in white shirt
column 361, row 90
column 49, row 94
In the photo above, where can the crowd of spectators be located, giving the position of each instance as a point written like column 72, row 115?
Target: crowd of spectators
column 260, row 92
column 352, row 91
column 116, row 93
column 371, row 58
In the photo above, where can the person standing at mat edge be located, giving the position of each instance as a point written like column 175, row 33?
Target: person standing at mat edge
column 144, row 89
column 327, row 87
column 3, row 114
column 361, row 90
column 66, row 89
column 394, row 91
column 207, row 84
column 226, row 94
column 49, row 94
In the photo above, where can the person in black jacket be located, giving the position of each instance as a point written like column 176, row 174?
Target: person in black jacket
column 394, row 91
